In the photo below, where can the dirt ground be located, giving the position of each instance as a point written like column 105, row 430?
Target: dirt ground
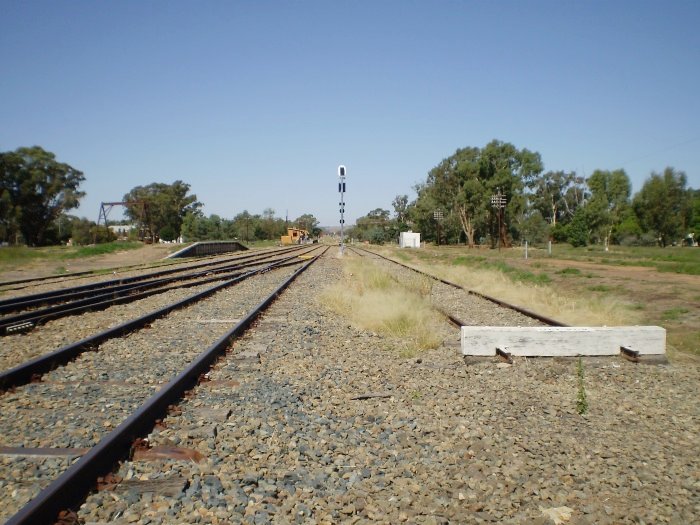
column 147, row 254
column 667, row 299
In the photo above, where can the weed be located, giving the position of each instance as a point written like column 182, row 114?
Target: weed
column 581, row 398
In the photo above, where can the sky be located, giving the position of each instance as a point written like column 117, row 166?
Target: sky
column 254, row 104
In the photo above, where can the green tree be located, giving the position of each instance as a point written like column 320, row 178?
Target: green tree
column 84, row 231
column 401, row 208
column 246, row 225
column 462, row 186
column 578, row 230
column 555, row 194
column 375, row 227
column 663, row 206
column 509, row 170
column 166, row 205
column 609, row 200
column 309, row 223
column 695, row 219
column 35, row 189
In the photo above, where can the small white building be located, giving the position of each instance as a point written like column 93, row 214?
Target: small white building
column 122, row 230
column 409, row 239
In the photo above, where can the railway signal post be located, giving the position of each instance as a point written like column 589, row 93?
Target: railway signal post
column 341, row 190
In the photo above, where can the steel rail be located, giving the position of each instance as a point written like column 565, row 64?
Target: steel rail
column 5, row 303
column 107, row 289
column 30, row 370
column 72, row 486
column 529, row 313
column 98, row 271
column 28, row 320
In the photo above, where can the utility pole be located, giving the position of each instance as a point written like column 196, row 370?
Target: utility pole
column 498, row 202
column 341, row 190
column 438, row 215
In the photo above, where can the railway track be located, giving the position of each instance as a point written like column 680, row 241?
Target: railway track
column 31, row 310
column 47, row 280
column 308, row 419
column 105, row 399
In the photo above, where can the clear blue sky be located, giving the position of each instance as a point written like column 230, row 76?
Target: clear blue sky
column 255, row 103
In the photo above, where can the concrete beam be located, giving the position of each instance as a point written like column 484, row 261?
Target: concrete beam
column 562, row 341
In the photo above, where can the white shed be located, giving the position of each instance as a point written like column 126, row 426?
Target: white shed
column 409, row 239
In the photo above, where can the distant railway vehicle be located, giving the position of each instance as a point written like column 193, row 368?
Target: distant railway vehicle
column 295, row 236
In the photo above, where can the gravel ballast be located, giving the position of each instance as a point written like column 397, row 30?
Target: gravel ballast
column 310, row 420
column 76, row 405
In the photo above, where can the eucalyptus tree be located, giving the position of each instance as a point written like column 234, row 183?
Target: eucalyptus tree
column 35, row 189
column 663, row 205
column 551, row 194
column 463, row 184
column 375, row 227
column 308, row 222
column 164, row 206
column 609, row 201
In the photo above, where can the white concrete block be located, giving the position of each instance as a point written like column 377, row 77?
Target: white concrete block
column 562, row 341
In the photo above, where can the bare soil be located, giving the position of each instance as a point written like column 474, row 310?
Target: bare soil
column 667, row 299
column 149, row 253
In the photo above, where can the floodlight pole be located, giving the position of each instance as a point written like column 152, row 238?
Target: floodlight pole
column 341, row 190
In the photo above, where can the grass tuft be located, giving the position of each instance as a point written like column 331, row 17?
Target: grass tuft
column 581, row 398
column 372, row 300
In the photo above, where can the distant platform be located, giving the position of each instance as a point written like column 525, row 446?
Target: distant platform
column 200, row 249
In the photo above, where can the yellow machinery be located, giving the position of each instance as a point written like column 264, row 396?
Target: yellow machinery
column 295, row 236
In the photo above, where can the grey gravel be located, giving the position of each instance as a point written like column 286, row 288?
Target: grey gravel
column 448, row 441
column 76, row 405
column 20, row 347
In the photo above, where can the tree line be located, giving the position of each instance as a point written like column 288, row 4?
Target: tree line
column 494, row 195
column 499, row 194
column 37, row 192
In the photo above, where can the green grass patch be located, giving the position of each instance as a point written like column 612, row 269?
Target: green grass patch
column 601, row 288
column 673, row 314
column 100, row 249
column 569, row 271
column 463, row 260
column 517, row 275
column 19, row 255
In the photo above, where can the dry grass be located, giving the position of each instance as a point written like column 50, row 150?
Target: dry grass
column 372, row 300
column 543, row 299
